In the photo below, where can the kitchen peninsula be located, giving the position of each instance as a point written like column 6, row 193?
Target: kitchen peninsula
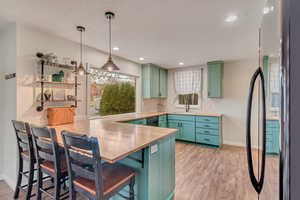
column 150, row 150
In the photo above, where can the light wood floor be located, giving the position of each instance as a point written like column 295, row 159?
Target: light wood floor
column 213, row 174
column 210, row 174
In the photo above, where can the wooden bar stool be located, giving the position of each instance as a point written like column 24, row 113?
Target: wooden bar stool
column 25, row 153
column 90, row 177
column 51, row 161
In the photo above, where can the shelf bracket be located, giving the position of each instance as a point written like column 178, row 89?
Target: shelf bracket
column 141, row 161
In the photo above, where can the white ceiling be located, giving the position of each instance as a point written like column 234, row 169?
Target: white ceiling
column 164, row 32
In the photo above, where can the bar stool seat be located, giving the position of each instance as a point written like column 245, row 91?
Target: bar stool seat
column 114, row 176
column 50, row 166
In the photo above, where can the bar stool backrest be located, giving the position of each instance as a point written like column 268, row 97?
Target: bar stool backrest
column 46, row 147
column 83, row 160
column 24, row 139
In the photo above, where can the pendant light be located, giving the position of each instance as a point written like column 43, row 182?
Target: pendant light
column 110, row 65
column 80, row 70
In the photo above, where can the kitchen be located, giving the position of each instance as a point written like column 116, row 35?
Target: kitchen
column 165, row 95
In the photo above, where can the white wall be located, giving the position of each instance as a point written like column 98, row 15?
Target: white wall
column 33, row 41
column 237, row 75
column 19, row 44
column 8, row 149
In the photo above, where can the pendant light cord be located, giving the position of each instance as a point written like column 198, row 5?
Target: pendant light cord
column 81, row 46
column 109, row 18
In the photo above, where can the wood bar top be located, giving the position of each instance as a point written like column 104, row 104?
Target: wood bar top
column 116, row 140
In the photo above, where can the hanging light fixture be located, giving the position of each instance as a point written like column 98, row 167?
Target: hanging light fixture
column 110, row 65
column 80, row 70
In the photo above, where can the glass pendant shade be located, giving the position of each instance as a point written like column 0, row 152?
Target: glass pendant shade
column 81, row 71
column 110, row 65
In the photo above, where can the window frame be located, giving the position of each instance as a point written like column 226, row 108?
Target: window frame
column 88, row 97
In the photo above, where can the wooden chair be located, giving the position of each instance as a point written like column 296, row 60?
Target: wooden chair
column 89, row 176
column 25, row 153
column 51, row 161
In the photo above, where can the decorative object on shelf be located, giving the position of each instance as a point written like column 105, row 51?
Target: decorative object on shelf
column 80, row 70
column 58, row 77
column 71, row 98
column 58, row 94
column 110, row 65
column 49, row 57
column 48, row 95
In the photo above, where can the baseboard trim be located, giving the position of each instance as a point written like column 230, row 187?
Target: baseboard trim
column 9, row 182
column 237, row 144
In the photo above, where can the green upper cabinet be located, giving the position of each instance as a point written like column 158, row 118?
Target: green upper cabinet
column 155, row 81
column 266, row 71
column 215, row 79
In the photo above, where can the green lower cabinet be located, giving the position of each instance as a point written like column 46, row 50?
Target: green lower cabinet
column 272, row 143
column 188, row 131
column 205, row 130
column 175, row 124
column 163, row 124
column 138, row 121
column 156, row 181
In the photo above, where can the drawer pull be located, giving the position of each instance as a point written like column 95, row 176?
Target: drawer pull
column 206, row 131
column 205, row 139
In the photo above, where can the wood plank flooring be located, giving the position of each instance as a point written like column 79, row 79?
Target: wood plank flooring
column 210, row 174
column 220, row 174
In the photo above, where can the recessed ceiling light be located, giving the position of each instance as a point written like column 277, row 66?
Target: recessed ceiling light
column 266, row 10
column 141, row 58
column 181, row 63
column 116, row 48
column 231, row 18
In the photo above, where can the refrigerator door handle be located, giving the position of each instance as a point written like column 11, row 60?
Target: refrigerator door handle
column 256, row 182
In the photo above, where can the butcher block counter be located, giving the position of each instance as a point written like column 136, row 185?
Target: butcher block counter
column 117, row 140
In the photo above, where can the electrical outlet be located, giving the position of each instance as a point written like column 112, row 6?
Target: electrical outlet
column 154, row 148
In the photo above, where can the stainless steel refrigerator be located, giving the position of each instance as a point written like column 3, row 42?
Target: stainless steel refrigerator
column 263, row 110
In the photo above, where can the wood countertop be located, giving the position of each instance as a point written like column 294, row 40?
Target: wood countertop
column 118, row 140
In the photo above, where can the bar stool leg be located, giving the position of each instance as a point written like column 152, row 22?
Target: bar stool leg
column 30, row 180
column 56, row 187
column 39, row 185
column 131, row 189
column 19, row 179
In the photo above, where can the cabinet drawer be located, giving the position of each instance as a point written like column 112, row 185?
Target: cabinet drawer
column 269, row 147
column 207, row 119
column 207, row 125
column 269, row 138
column 272, row 124
column 162, row 117
column 181, row 117
column 207, row 131
column 207, row 139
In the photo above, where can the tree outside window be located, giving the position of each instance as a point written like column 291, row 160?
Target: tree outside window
column 111, row 93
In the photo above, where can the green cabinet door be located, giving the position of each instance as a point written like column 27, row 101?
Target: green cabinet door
column 215, row 79
column 175, row 124
column 188, row 131
column 154, row 80
column 163, row 83
column 266, row 71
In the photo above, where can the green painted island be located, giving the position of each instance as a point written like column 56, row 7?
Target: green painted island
column 149, row 150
